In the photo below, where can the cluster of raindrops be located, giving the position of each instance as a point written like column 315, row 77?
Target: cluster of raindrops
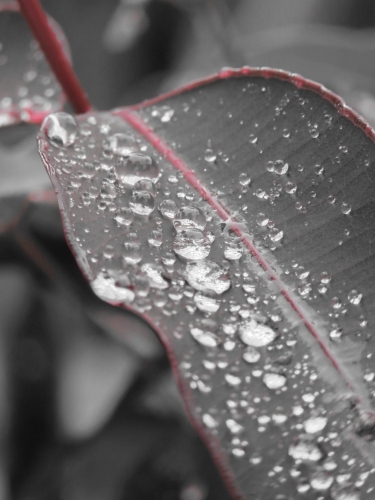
column 29, row 90
column 144, row 237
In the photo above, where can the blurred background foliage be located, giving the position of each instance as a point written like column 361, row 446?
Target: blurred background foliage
column 88, row 406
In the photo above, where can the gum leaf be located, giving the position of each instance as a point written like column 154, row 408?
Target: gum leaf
column 29, row 90
column 236, row 217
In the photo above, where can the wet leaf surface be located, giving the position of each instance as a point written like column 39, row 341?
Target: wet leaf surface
column 236, row 217
column 29, row 90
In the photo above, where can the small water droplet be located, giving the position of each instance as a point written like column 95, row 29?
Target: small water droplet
column 165, row 113
column 244, row 179
column 335, row 334
column 315, row 424
column 207, row 301
column 276, row 234
column 142, row 203
column 256, row 334
column 318, row 169
column 135, row 167
column 124, row 217
column 280, row 167
column 290, row 187
column 233, row 250
column 168, row 209
column 262, row 220
column 251, row 355
column 321, row 481
column 345, row 208
column 120, row 144
column 189, row 217
column 60, row 128
column 144, row 185
column 253, row 139
column 355, row 297
column 209, row 155
column 205, row 338
column 233, row 426
column 274, row 381
column 232, row 380
column 305, row 449
column 132, row 250
column 192, row 244
column 209, row 421
column 105, row 287
column 207, row 275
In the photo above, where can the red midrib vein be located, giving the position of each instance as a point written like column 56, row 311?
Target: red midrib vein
column 160, row 145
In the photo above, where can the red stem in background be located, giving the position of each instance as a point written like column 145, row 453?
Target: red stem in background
column 52, row 49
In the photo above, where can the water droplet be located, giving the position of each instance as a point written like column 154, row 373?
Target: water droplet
column 345, row 208
column 207, row 275
column 233, row 426
column 233, row 250
column 315, row 424
column 124, row 217
column 135, row 167
column 209, row 155
column 276, row 235
column 321, row 481
column 108, row 192
column 274, row 381
column 144, row 185
column 205, row 338
column 107, row 289
column 192, row 244
column 155, row 239
column 168, row 209
column 244, row 179
column 189, row 217
column 290, row 187
column 318, row 169
column 335, row 334
column 60, row 128
column 270, row 166
column 280, row 167
column 142, row 203
column 256, row 334
column 354, row 297
column 132, row 250
column 155, row 277
column 165, row 113
column 314, row 132
column 251, row 355
column 345, row 492
column 120, row 144
column 253, row 139
column 209, row 421
column 207, row 301
column 325, row 277
column 232, row 380
column 305, row 449
column 331, row 199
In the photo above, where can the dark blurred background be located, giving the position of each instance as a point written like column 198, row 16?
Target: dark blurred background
column 88, row 406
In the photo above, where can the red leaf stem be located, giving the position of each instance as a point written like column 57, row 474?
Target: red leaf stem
column 38, row 22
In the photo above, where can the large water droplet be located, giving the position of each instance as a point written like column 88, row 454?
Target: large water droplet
column 142, row 203
column 60, row 128
column 207, row 275
column 189, row 217
column 121, row 144
column 137, row 166
column 256, row 334
column 233, row 250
